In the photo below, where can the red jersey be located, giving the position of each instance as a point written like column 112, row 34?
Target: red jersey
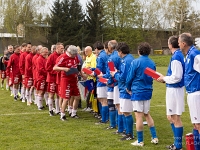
column 13, row 64
column 28, row 66
column 69, row 62
column 34, row 65
column 22, row 62
column 41, row 73
column 51, row 61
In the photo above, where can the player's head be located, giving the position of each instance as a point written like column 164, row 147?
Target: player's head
column 23, row 47
column 185, row 41
column 123, row 49
column 173, row 42
column 112, row 45
column 72, row 51
column 144, row 48
column 33, row 49
column 98, row 46
column 59, row 48
column 53, row 48
column 10, row 48
column 44, row 52
column 17, row 49
column 28, row 47
column 88, row 50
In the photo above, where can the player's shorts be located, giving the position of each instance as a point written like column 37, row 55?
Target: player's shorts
column 102, row 92
column 116, row 95
column 41, row 86
column 28, row 82
column 58, row 89
column 175, row 104
column 141, row 106
column 35, row 83
column 3, row 74
column 110, row 95
column 68, row 88
column 24, row 81
column 16, row 79
column 51, row 87
column 193, row 100
column 126, row 105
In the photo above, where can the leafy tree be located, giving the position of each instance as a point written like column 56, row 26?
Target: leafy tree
column 94, row 21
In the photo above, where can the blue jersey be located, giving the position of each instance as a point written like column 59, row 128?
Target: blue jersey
column 101, row 65
column 139, row 83
column 121, row 75
column 178, row 56
column 114, row 57
column 191, row 76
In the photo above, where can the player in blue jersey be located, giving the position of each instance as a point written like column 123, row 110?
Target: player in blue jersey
column 139, row 85
column 191, row 82
column 125, row 108
column 174, row 80
column 102, row 58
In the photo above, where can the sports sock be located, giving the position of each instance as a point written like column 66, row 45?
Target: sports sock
column 50, row 103
column 153, row 132
column 70, row 109
column 27, row 95
column 124, row 122
column 120, row 123
column 11, row 90
column 39, row 101
column 46, row 97
column 173, row 128
column 196, row 139
column 104, row 113
column 178, row 137
column 74, row 112
column 15, row 92
column 30, row 96
column 22, row 92
column 57, row 105
column 62, row 114
column 112, row 115
column 140, row 136
column 129, row 124
column 107, row 113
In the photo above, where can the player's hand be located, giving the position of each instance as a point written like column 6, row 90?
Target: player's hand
column 92, row 74
column 161, row 78
column 129, row 92
column 66, row 69
column 101, row 75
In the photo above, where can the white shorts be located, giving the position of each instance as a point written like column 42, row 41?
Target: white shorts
column 141, row 106
column 116, row 95
column 126, row 105
column 193, row 100
column 175, row 104
column 102, row 92
column 109, row 95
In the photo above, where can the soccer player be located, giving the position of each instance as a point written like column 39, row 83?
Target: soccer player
column 125, row 106
column 68, row 84
column 38, row 49
column 51, row 78
column 28, row 74
column 140, row 87
column 102, row 58
column 14, row 64
column 22, row 70
column 41, row 74
column 113, row 91
column 90, row 62
column 191, row 82
column 2, row 72
column 175, row 91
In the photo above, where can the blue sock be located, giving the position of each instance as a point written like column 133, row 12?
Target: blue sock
column 116, row 117
column 196, row 139
column 120, row 123
column 173, row 128
column 129, row 125
column 112, row 115
column 153, row 132
column 178, row 137
column 124, row 122
column 107, row 113
column 140, row 136
column 103, row 113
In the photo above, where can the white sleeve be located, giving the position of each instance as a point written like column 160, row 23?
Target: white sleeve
column 196, row 64
column 177, row 73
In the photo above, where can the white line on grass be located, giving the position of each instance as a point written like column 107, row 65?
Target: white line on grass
column 25, row 113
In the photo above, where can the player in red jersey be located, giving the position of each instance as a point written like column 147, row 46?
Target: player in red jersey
column 68, row 83
column 22, row 69
column 38, row 48
column 41, row 74
column 29, row 74
column 14, row 64
column 51, row 78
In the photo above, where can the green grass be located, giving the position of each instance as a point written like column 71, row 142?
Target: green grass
column 25, row 128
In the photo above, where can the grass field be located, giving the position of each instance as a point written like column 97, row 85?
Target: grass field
column 25, row 128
